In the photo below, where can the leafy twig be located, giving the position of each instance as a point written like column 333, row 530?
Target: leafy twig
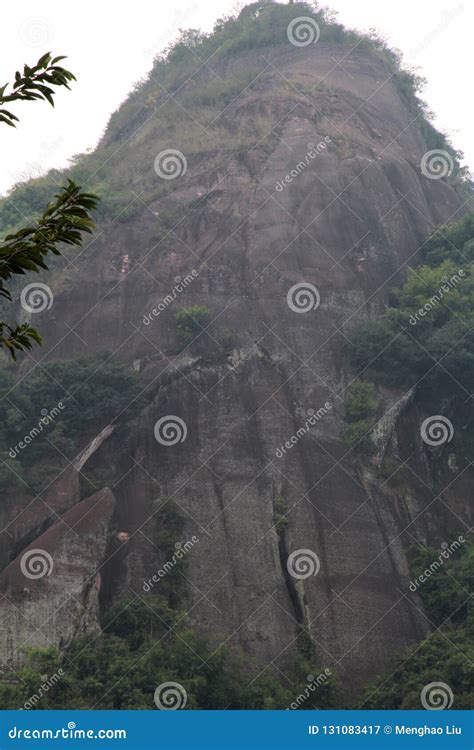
column 35, row 83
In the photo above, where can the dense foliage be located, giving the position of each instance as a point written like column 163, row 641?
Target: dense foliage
column 360, row 403
column 48, row 417
column 447, row 654
column 191, row 321
column 146, row 644
column 426, row 336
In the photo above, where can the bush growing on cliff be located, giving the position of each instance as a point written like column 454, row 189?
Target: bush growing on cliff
column 359, row 400
column 190, row 321
column 446, row 594
column 357, row 435
column 146, row 644
column 360, row 403
column 427, row 336
column 447, row 654
column 440, row 658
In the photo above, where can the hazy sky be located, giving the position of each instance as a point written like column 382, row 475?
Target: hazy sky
column 110, row 46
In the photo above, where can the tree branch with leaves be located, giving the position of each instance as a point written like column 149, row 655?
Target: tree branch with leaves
column 32, row 84
column 64, row 220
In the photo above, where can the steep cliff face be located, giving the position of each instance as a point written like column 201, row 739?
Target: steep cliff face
column 310, row 173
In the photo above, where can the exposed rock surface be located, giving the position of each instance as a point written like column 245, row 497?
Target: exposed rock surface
column 50, row 591
column 347, row 224
column 386, row 426
column 24, row 518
